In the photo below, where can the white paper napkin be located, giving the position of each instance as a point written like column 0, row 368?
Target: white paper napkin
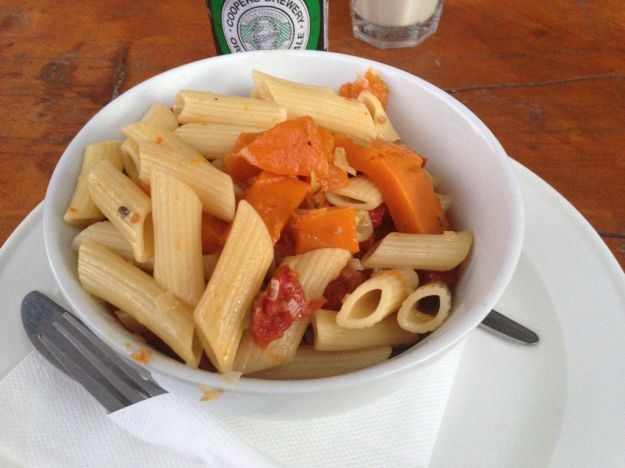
column 48, row 420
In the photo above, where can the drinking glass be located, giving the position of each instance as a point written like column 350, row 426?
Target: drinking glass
column 395, row 23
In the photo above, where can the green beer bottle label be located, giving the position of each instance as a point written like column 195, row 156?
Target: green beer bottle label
column 242, row 25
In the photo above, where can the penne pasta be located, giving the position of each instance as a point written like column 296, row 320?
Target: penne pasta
column 106, row 275
column 260, row 80
column 373, row 300
column 316, row 269
column 213, row 140
column 311, row 364
column 426, row 308
column 177, row 218
column 214, row 188
column 439, row 252
column 383, row 126
column 160, row 116
column 359, row 193
column 169, row 195
column 334, row 112
column 206, row 107
column 238, row 275
column 125, row 205
column 82, row 211
column 157, row 117
column 140, row 132
column 329, row 336
column 107, row 235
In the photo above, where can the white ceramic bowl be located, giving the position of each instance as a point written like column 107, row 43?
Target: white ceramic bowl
column 470, row 162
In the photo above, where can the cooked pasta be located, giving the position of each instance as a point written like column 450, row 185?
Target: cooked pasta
column 311, row 364
column 242, row 265
column 213, row 140
column 373, row 300
column 214, row 188
column 160, row 116
column 108, row 276
column 426, row 308
column 82, row 211
column 249, row 228
column 141, row 132
column 440, row 252
column 316, row 269
column 383, row 126
column 359, row 193
column 329, row 336
column 194, row 106
column 106, row 234
column 177, row 217
column 329, row 110
column 125, row 205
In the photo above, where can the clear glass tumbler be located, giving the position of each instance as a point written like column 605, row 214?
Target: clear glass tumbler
column 395, row 23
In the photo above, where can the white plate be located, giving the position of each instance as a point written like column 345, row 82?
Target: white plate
column 561, row 403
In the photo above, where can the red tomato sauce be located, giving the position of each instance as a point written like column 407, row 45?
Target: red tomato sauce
column 279, row 305
column 450, row 277
column 348, row 280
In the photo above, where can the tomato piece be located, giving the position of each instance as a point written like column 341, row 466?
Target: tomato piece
column 348, row 280
column 450, row 277
column 279, row 305
column 376, row 215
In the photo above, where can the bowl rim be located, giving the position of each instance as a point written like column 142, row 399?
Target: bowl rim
column 163, row 365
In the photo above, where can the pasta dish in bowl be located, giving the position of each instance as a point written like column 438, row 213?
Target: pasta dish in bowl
column 257, row 229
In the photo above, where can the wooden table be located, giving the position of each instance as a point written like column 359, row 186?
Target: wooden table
column 548, row 78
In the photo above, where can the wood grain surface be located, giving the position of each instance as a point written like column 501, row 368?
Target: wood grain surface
column 548, row 78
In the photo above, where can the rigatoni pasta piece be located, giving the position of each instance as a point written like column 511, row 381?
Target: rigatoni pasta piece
column 426, row 308
column 213, row 140
column 238, row 275
column 177, row 218
column 316, row 269
column 311, row 364
column 125, row 205
column 160, row 116
column 82, row 211
column 106, row 275
column 329, row 336
column 214, row 187
column 106, row 234
column 359, row 193
column 373, row 300
column 197, row 106
column 333, row 112
column 439, row 252
column 383, row 126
